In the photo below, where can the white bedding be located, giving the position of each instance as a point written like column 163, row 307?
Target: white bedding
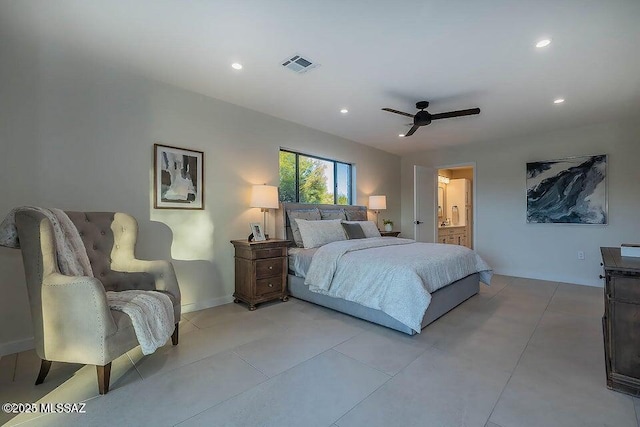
column 393, row 275
column 300, row 260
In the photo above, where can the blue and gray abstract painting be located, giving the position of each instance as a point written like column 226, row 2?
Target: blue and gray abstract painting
column 570, row 191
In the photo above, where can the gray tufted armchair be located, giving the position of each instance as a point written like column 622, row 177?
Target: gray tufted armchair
column 71, row 319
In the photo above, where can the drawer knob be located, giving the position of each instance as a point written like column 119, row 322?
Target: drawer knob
column 601, row 276
column 271, row 285
column 271, row 267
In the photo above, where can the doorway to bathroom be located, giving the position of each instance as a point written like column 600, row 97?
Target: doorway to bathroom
column 455, row 211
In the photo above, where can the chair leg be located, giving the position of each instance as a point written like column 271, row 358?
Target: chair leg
column 104, row 374
column 174, row 337
column 44, row 370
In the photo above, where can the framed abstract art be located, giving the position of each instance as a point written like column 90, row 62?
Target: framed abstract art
column 568, row 191
column 178, row 178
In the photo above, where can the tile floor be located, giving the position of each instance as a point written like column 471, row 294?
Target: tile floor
column 521, row 353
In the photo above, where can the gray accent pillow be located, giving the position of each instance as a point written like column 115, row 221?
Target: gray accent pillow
column 369, row 228
column 354, row 231
column 312, row 214
column 332, row 214
column 360, row 215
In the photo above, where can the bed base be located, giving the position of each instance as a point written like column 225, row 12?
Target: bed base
column 442, row 301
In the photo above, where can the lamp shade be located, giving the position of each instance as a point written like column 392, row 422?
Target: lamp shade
column 264, row 196
column 377, row 202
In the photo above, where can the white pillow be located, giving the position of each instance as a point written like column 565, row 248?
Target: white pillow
column 317, row 233
column 369, row 228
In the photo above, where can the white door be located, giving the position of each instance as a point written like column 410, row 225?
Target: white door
column 424, row 191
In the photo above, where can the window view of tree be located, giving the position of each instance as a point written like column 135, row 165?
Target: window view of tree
column 288, row 191
column 343, row 184
column 314, row 181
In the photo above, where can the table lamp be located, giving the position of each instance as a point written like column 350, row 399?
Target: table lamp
column 264, row 197
column 376, row 204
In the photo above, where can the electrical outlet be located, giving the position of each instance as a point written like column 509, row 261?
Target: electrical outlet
column 581, row 255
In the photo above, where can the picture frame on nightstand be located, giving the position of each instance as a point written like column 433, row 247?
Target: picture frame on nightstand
column 257, row 232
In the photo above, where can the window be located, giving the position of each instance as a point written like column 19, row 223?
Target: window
column 308, row 179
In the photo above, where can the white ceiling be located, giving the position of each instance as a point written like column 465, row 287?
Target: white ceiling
column 373, row 54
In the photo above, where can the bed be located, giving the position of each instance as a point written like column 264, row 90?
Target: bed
column 445, row 297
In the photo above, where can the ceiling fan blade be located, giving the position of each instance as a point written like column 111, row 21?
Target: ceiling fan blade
column 411, row 131
column 458, row 113
column 391, row 110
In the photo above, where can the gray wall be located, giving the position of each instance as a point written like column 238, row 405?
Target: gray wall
column 542, row 251
column 79, row 135
column 18, row 166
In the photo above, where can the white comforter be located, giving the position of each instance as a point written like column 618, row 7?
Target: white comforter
column 393, row 275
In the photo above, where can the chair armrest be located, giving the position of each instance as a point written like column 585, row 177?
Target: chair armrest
column 125, row 231
column 162, row 272
column 76, row 319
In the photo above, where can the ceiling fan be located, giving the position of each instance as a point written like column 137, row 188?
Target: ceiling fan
column 423, row 118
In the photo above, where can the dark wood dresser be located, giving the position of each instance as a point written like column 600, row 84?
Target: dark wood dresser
column 261, row 271
column 621, row 321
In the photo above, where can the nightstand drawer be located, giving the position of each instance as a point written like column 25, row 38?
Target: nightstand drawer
column 268, row 267
column 270, row 253
column 269, row 285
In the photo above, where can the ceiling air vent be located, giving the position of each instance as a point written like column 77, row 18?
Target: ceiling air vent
column 299, row 64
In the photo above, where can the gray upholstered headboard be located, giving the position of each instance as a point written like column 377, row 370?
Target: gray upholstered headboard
column 283, row 227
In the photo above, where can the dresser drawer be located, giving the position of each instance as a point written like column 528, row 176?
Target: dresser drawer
column 625, row 331
column 269, row 285
column 626, row 288
column 268, row 267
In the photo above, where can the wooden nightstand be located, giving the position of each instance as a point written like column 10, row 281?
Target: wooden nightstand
column 261, row 271
column 389, row 233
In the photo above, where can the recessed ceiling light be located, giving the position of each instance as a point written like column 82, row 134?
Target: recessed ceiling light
column 401, row 135
column 344, row 111
column 558, row 101
column 236, row 66
column 543, row 43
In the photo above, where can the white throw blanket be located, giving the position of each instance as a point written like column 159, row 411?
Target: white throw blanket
column 395, row 276
column 71, row 253
column 151, row 312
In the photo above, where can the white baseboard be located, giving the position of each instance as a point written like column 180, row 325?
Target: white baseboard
column 550, row 278
column 27, row 343
column 16, row 346
column 201, row 305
